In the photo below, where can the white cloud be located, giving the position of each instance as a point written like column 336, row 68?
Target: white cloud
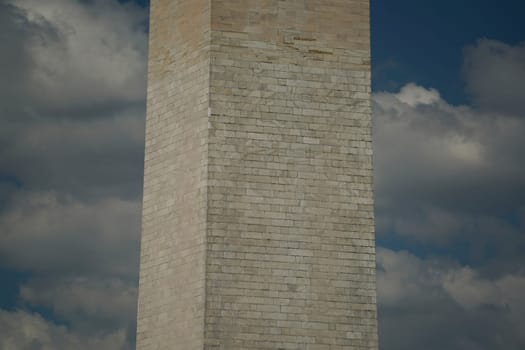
column 438, row 166
column 20, row 330
column 471, row 290
column 402, row 276
column 85, row 302
column 83, row 259
column 414, row 95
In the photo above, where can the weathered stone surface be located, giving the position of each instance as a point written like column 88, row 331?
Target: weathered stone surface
column 258, row 227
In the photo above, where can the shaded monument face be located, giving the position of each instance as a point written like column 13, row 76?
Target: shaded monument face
column 258, row 228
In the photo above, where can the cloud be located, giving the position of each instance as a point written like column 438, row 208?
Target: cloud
column 91, row 54
column 470, row 290
column 435, row 303
column 89, row 159
column 21, row 330
column 414, row 95
column 16, row 31
column 49, row 233
column 450, row 184
column 74, row 96
column 495, row 76
column 439, row 167
column 71, row 151
column 73, row 92
column 83, row 263
column 86, row 303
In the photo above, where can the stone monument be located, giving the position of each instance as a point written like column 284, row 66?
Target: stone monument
column 258, row 228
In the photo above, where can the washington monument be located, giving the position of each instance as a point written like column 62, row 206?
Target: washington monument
column 258, row 225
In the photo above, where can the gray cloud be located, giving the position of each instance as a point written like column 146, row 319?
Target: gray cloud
column 495, row 76
column 83, row 259
column 71, row 151
column 449, row 175
column 88, row 304
column 435, row 303
column 73, row 113
column 48, row 233
column 89, row 159
column 91, row 55
column 441, row 170
column 16, row 34
column 20, row 330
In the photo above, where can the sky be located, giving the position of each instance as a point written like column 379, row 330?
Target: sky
column 449, row 149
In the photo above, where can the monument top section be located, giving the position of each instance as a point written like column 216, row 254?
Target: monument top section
column 342, row 23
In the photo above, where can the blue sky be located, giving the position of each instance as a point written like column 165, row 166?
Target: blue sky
column 449, row 119
column 422, row 41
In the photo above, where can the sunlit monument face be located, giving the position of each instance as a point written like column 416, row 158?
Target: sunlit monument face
column 258, row 228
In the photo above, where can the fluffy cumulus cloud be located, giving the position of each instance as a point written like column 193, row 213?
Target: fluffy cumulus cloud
column 81, row 54
column 87, row 304
column 25, row 330
column 452, row 165
column 434, row 303
column 450, row 185
column 71, row 143
column 75, row 98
